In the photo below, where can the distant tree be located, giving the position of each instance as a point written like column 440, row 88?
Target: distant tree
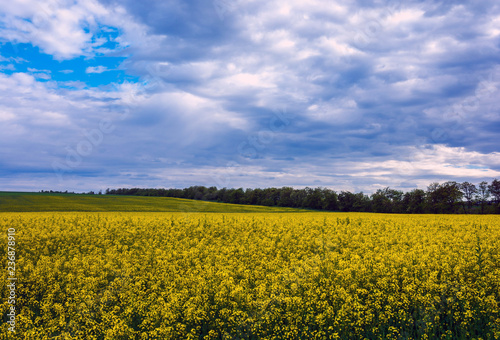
column 346, row 201
column 330, row 202
column 439, row 198
column 210, row 194
column 469, row 191
column 193, row 192
column 249, row 197
column 483, row 193
column 363, row 203
column 314, row 198
column 451, row 194
column 414, row 202
column 396, row 197
column 298, row 196
column 274, row 195
column 387, row 200
column 257, row 196
column 495, row 192
column 432, row 199
column 222, row 195
column 381, row 203
column 354, row 202
column 442, row 198
column 285, row 197
column 494, row 189
column 236, row 196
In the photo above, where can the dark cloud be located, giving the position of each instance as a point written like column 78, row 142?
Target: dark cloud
column 348, row 95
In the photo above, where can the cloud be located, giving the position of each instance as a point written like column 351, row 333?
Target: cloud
column 64, row 29
column 16, row 60
column 8, row 67
column 96, row 69
column 351, row 95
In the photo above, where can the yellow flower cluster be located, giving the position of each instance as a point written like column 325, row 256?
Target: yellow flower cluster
column 254, row 276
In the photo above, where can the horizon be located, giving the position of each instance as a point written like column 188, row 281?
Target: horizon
column 104, row 190
column 345, row 96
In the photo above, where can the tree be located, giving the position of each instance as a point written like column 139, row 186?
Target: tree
column 236, row 195
column 354, row 202
column 387, row 200
column 331, row 202
column 314, row 199
column 433, row 201
column 396, row 197
column 494, row 189
column 469, row 190
column 414, row 201
column 451, row 193
column 346, row 201
column 483, row 194
column 441, row 198
column 298, row 197
column 362, row 202
column 221, row 195
column 285, row 199
column 381, row 203
column 210, row 194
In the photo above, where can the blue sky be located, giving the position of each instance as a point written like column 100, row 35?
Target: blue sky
column 349, row 95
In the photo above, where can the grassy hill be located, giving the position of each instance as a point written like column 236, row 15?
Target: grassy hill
column 38, row 202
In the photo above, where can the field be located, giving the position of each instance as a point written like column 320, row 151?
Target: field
column 258, row 275
column 37, row 202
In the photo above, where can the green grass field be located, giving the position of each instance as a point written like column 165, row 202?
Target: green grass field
column 39, row 202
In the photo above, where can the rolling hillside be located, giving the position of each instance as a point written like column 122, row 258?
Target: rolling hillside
column 38, row 202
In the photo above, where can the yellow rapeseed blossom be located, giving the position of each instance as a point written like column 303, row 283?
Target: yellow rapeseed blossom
column 254, row 276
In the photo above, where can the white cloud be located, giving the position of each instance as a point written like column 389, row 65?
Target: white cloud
column 8, row 67
column 336, row 112
column 363, row 83
column 6, row 115
column 16, row 60
column 63, row 28
column 96, row 69
column 441, row 160
column 404, row 17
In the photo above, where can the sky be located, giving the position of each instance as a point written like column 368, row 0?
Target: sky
column 347, row 95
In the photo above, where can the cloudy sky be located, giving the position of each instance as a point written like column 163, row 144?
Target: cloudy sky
column 349, row 95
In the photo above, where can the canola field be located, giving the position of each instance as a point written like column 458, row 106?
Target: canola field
column 167, row 275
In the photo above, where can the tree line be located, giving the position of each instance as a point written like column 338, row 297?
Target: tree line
column 446, row 198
